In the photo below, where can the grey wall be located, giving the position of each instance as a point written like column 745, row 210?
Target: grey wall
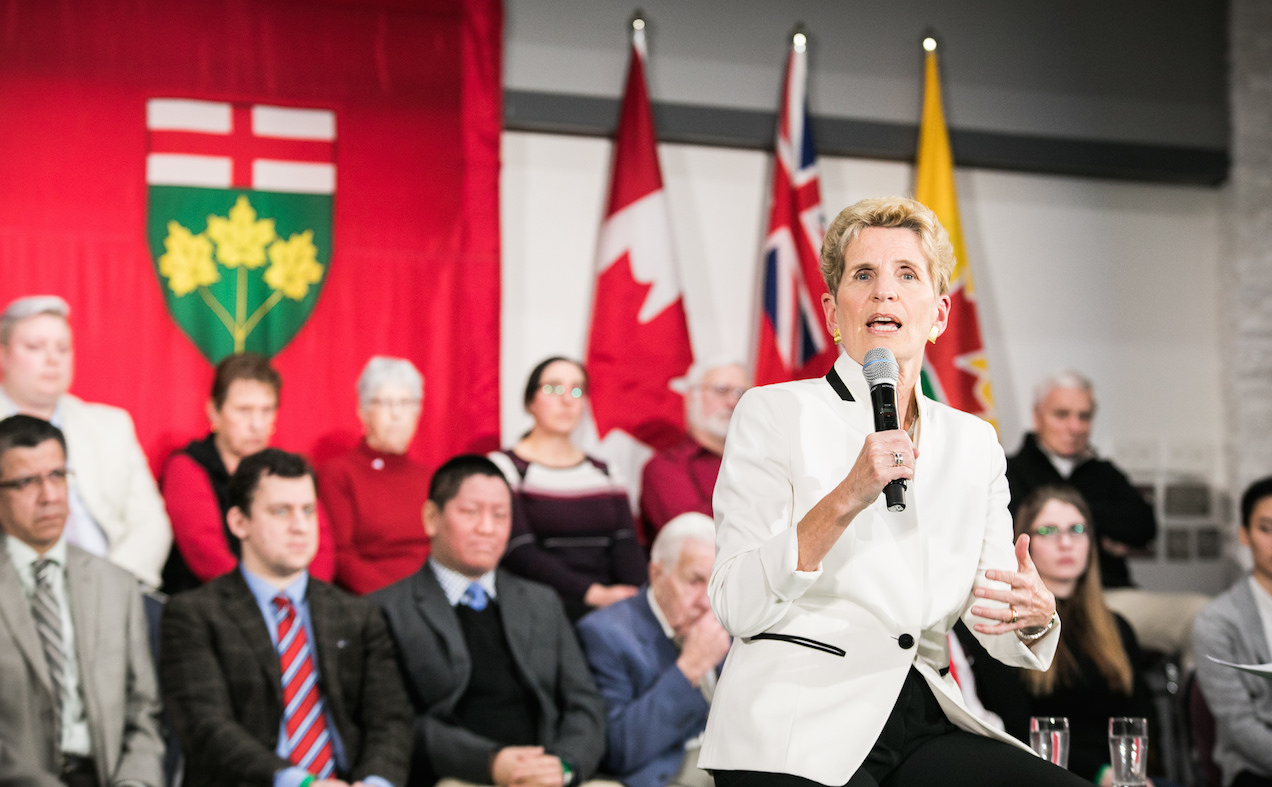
column 1118, row 70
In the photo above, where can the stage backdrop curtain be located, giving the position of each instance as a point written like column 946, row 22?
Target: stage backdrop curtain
column 413, row 265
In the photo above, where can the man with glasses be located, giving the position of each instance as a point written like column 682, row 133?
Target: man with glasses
column 115, row 508
column 78, row 700
column 682, row 479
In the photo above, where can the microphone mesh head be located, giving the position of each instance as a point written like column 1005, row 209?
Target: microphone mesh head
column 881, row 367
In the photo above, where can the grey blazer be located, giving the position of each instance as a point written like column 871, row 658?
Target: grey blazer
column 437, row 669
column 1230, row 629
column 117, row 674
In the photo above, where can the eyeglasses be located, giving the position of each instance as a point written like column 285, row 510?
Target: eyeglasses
column 394, row 404
column 1075, row 531
column 55, row 477
column 723, row 390
column 560, row 390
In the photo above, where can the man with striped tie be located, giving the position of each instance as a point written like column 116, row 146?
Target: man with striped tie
column 78, row 701
column 272, row 677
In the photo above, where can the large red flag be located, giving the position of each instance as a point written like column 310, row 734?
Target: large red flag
column 792, row 341
column 639, row 339
column 325, row 173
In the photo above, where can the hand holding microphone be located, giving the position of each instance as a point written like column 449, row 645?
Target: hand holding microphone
column 883, row 373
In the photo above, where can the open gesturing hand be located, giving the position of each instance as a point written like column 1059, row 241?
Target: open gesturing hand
column 1029, row 604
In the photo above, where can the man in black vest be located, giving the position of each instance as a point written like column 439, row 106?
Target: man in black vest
column 1058, row 452
column 501, row 691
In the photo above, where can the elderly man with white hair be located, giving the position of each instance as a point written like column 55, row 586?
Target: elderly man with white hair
column 1059, row 452
column 683, row 478
column 375, row 493
column 655, row 657
column 115, row 508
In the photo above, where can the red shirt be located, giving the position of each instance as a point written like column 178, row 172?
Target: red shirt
column 674, row 482
column 197, row 529
column 376, row 504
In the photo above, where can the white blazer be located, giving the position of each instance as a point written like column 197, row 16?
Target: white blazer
column 892, row 580
column 114, row 481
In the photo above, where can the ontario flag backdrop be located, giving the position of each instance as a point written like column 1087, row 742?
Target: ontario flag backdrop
column 315, row 181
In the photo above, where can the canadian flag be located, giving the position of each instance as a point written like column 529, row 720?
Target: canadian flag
column 639, row 339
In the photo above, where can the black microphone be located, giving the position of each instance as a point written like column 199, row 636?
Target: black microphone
column 883, row 373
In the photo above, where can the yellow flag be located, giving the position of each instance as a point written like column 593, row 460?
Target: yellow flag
column 956, row 370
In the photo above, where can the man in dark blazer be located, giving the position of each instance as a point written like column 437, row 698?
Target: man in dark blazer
column 655, row 656
column 502, row 694
column 328, row 703
column 78, row 700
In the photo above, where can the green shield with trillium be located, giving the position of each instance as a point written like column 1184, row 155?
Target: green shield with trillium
column 241, row 268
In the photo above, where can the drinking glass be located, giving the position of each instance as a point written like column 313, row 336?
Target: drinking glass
column 1049, row 737
column 1128, row 751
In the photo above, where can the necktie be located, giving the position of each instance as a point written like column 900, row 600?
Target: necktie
column 48, row 623
column 304, row 712
column 474, row 597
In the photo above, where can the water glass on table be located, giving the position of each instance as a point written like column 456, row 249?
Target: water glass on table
column 1049, row 738
column 1128, row 751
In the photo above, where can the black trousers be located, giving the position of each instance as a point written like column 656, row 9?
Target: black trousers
column 1248, row 779
column 919, row 746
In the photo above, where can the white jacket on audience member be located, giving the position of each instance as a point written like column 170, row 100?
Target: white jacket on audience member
column 892, row 579
column 114, row 481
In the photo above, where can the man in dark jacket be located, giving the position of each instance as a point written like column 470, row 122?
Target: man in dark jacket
column 502, row 694
column 274, row 678
column 1058, row 452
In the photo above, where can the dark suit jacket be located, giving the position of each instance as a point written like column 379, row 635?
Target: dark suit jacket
column 1119, row 510
column 652, row 709
column 438, row 669
column 117, row 674
column 223, row 688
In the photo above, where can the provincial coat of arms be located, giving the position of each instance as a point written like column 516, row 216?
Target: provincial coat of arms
column 239, row 218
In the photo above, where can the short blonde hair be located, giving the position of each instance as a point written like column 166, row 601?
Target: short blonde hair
column 888, row 212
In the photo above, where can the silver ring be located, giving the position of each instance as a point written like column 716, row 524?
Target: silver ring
column 897, row 459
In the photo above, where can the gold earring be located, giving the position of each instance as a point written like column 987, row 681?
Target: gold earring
column 836, row 336
column 932, row 334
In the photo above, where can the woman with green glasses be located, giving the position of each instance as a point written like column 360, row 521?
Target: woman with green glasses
column 1093, row 675
column 572, row 524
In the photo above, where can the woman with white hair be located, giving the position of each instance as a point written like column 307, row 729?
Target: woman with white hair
column 375, row 493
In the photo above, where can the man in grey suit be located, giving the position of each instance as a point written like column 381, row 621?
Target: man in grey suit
column 502, row 694
column 1237, row 627
column 78, row 700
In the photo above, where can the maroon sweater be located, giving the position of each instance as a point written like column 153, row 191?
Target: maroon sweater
column 376, row 505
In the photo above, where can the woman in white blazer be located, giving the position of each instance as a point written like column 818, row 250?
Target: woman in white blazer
column 840, row 607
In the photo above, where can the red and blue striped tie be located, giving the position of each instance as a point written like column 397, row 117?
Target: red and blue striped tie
column 304, row 712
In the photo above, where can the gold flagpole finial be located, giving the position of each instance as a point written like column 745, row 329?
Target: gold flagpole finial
column 929, row 41
column 638, row 20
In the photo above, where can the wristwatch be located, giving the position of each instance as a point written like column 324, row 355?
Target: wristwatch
column 1037, row 632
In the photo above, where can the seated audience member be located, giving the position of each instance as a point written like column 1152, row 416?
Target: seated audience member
column 242, row 410
column 502, row 694
column 1237, row 627
column 683, row 478
column 572, row 525
column 655, row 656
column 270, row 676
column 1059, row 452
column 78, row 700
column 1093, row 674
column 375, row 494
column 115, row 509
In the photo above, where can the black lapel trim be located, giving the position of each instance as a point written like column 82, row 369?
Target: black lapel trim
column 837, row 383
